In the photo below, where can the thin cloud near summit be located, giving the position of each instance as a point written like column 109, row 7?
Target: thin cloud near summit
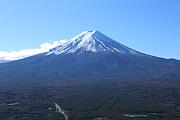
column 15, row 55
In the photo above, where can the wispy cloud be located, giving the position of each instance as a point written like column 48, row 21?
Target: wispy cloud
column 15, row 55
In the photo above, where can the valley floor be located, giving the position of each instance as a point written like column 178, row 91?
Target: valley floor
column 107, row 99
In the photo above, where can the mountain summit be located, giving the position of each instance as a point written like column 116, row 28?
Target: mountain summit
column 90, row 53
column 92, row 41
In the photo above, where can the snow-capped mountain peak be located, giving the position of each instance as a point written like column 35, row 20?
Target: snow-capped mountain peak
column 92, row 41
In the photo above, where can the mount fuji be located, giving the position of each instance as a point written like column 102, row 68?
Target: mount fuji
column 90, row 53
column 92, row 41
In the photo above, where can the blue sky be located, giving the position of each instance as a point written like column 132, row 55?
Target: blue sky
column 150, row 26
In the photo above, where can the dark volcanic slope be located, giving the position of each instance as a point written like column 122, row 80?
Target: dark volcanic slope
column 85, row 65
column 89, row 54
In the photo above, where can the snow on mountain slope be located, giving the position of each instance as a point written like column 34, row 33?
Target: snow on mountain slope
column 92, row 41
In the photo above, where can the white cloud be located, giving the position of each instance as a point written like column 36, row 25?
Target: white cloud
column 15, row 55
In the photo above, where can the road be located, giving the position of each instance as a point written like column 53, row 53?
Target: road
column 59, row 110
